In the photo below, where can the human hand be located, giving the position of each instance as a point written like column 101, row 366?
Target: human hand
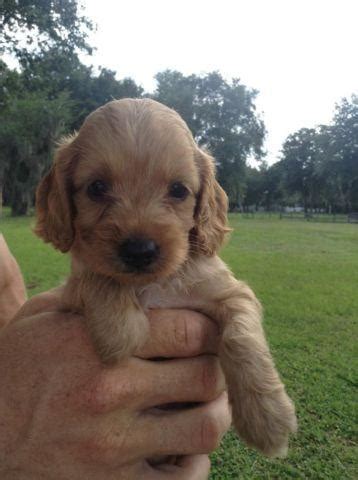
column 66, row 416
column 12, row 288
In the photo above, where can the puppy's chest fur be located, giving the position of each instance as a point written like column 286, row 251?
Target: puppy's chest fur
column 116, row 314
column 192, row 288
column 158, row 296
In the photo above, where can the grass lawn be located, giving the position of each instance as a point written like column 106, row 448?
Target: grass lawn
column 306, row 275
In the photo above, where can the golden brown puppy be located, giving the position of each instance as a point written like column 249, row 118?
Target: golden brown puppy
column 135, row 201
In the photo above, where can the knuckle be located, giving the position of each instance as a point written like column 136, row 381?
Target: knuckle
column 210, row 432
column 189, row 332
column 211, row 377
column 92, row 450
column 91, row 396
column 101, row 394
column 102, row 449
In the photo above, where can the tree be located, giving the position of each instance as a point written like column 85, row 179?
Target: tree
column 55, row 71
column 299, row 162
column 27, row 136
column 95, row 91
column 321, row 164
column 337, row 157
column 180, row 93
column 222, row 117
column 51, row 95
column 32, row 112
column 254, row 188
column 28, row 27
column 344, row 152
column 10, row 82
column 327, row 170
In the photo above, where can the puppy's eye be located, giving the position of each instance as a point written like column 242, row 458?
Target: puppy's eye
column 178, row 190
column 97, row 190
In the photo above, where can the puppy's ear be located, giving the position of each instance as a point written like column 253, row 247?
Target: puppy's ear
column 54, row 207
column 211, row 209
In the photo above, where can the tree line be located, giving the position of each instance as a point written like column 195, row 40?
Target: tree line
column 318, row 168
column 51, row 92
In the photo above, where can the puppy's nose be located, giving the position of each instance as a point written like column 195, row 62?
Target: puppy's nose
column 138, row 252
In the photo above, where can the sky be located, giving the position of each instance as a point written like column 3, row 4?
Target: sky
column 301, row 55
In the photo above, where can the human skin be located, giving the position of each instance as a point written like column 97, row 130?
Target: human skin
column 65, row 416
column 12, row 288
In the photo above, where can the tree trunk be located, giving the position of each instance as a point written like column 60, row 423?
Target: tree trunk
column 19, row 203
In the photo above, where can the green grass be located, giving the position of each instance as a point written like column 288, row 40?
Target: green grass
column 306, row 276
column 42, row 266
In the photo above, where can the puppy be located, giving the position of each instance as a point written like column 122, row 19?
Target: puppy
column 135, row 202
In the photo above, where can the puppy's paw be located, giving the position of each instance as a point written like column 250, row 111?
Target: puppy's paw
column 120, row 339
column 116, row 350
column 265, row 420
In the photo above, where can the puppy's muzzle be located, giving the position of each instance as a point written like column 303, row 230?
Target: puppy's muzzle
column 138, row 253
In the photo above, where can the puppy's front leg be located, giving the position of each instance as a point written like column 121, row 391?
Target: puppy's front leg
column 116, row 322
column 263, row 414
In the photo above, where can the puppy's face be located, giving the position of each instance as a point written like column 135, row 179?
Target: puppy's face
column 128, row 190
column 134, row 190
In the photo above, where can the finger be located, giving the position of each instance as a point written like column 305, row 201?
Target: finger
column 190, row 467
column 194, row 467
column 193, row 431
column 198, row 379
column 44, row 302
column 187, row 461
column 179, row 333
